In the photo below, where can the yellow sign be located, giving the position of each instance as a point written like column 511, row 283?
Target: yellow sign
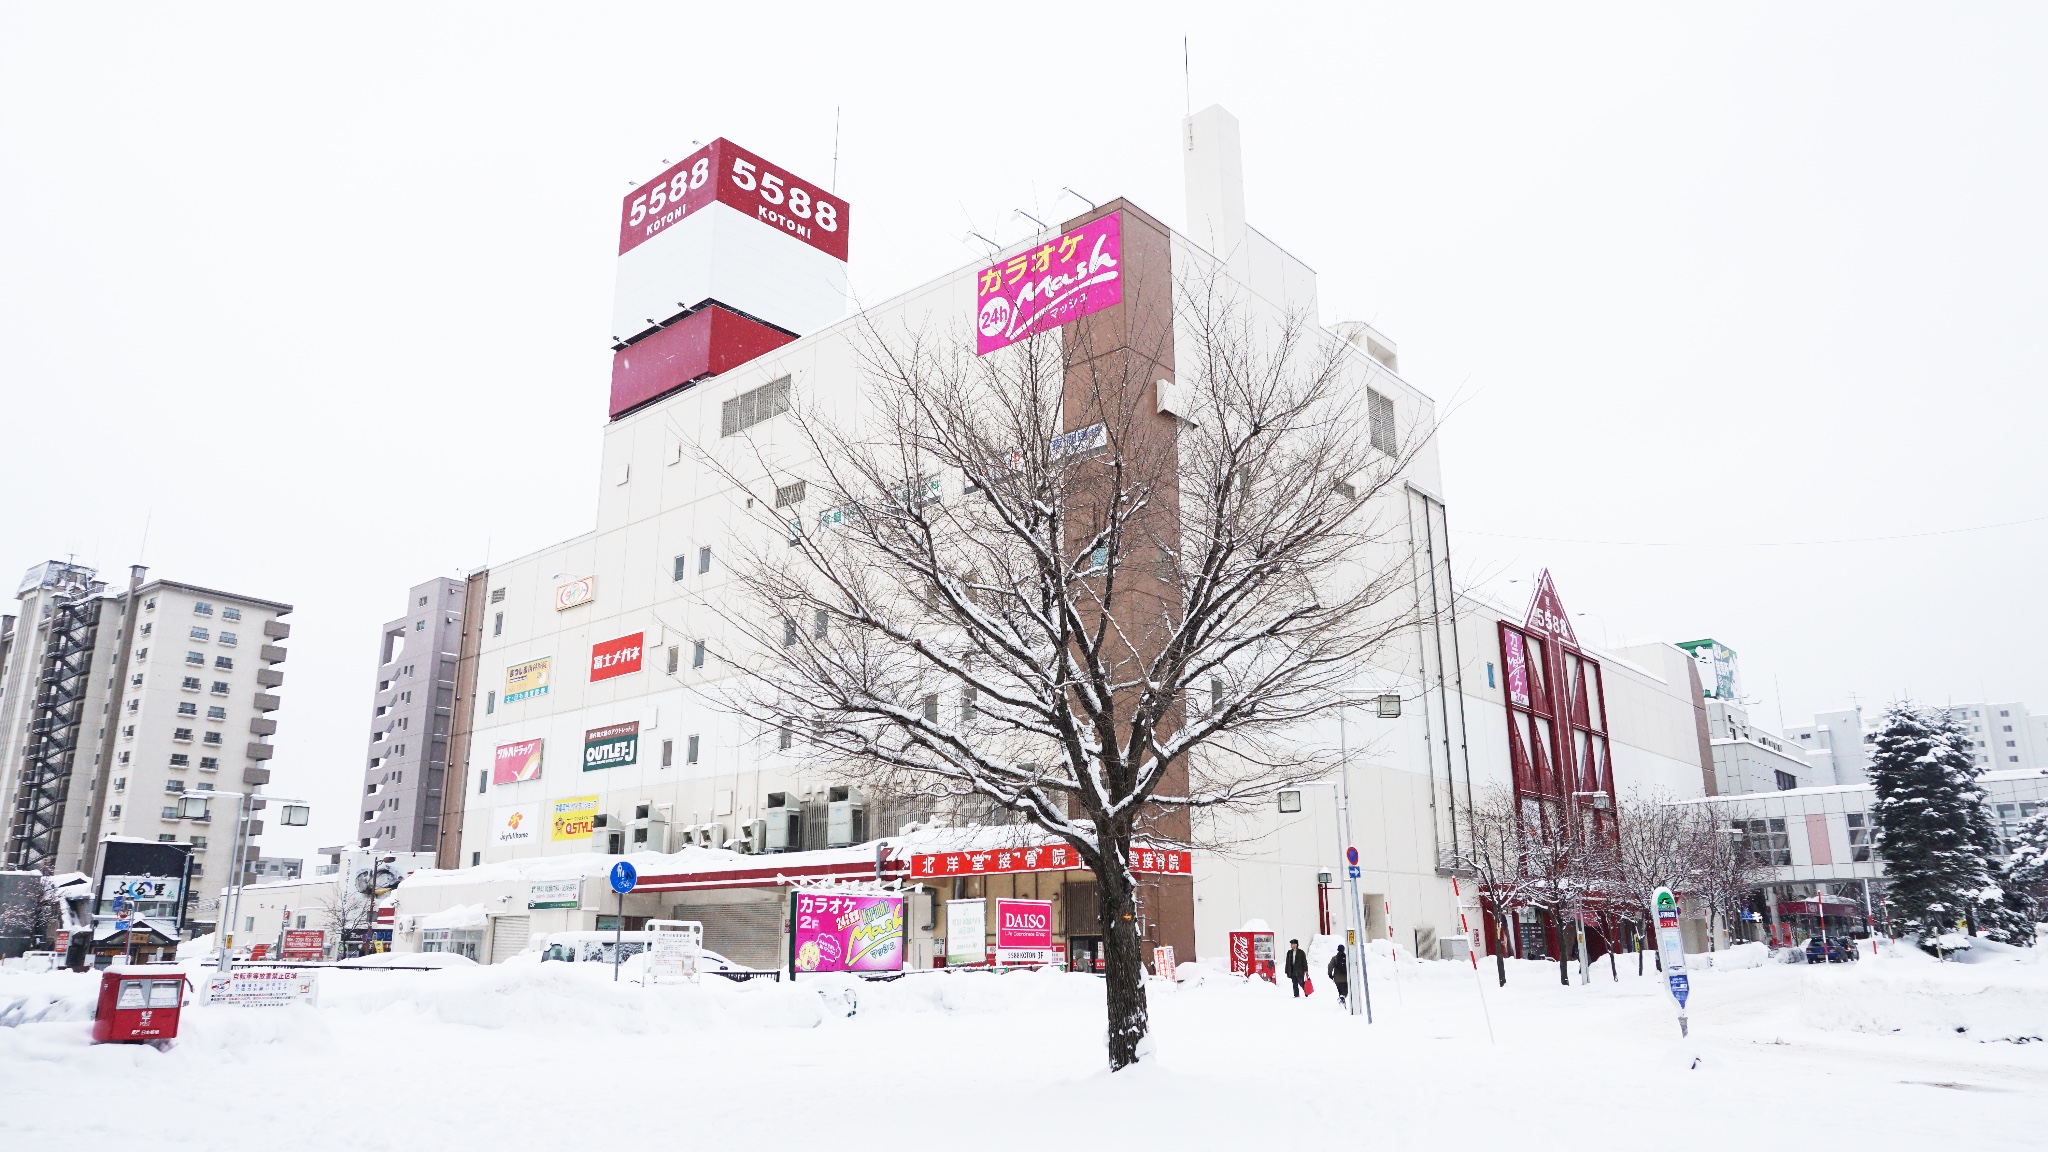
column 528, row 679
column 573, row 817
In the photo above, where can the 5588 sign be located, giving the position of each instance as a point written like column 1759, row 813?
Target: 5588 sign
column 731, row 175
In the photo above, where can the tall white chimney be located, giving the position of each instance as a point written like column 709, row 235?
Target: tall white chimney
column 1215, row 181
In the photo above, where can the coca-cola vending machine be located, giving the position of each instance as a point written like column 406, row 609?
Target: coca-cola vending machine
column 1251, row 954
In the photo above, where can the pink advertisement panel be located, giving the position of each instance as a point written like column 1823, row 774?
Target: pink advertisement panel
column 1024, row 932
column 1518, row 667
column 514, row 763
column 1064, row 279
column 834, row 933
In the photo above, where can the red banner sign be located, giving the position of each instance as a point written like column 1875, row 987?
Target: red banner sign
column 725, row 172
column 303, row 944
column 616, row 657
column 1052, row 858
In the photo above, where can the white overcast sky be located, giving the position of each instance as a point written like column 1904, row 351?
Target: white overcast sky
column 325, row 301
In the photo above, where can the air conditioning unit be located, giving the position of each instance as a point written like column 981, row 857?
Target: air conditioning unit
column 752, row 838
column 846, row 823
column 650, row 835
column 785, row 829
column 711, row 835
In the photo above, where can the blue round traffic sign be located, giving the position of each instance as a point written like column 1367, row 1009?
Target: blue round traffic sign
column 1351, row 857
column 623, row 877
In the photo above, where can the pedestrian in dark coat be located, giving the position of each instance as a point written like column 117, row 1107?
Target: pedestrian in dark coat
column 1296, row 966
column 1340, row 974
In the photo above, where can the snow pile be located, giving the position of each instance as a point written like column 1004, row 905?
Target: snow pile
column 1912, row 994
column 1733, row 958
column 45, row 997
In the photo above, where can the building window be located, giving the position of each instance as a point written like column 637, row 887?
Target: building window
column 224, row 663
column 461, row 941
column 216, row 712
column 704, row 559
column 180, row 760
column 199, row 634
column 788, row 632
column 195, row 657
column 682, row 566
column 229, row 640
column 202, row 608
column 490, row 702
column 1767, row 839
column 146, row 628
column 220, row 688
column 498, row 624
column 819, row 624
column 967, row 709
column 697, row 654
column 1489, row 674
column 752, row 407
column 668, row 753
column 209, row 763
column 231, row 613
column 690, row 751
column 1859, row 838
column 1379, row 415
column 191, row 683
column 184, row 734
column 931, row 708
column 783, row 739
column 1787, row 781
column 187, row 708
column 789, row 494
column 212, row 738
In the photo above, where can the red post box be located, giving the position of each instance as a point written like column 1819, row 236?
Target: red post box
column 138, row 1005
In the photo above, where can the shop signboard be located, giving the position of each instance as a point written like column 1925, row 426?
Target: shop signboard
column 1162, row 962
column 1023, row 932
column 620, row 657
column 265, row 987
column 571, row 593
column 517, row 762
column 526, row 680
column 554, row 893
column 834, row 932
column 1042, row 288
column 303, row 944
column 1048, row 858
column 516, row 824
column 612, row 746
column 966, row 931
column 573, row 818
column 1517, row 659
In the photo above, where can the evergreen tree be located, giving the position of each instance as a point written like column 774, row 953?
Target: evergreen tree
column 2026, row 871
column 1933, row 829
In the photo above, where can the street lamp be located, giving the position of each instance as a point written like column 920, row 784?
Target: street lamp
column 294, row 814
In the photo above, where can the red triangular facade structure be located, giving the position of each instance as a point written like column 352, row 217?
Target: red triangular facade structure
column 1546, row 612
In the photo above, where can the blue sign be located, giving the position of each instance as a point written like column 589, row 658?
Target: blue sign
column 1681, row 986
column 623, row 877
column 120, row 925
column 1354, row 871
column 1351, row 857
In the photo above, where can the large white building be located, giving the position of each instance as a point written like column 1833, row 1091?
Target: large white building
column 594, row 725
column 2006, row 737
column 116, row 707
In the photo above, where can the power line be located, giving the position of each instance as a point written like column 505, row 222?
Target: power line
column 1758, row 543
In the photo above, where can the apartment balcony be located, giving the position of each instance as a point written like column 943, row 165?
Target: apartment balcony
column 258, row 750
column 269, row 677
column 254, row 775
column 271, row 654
column 277, row 629
column 262, row 726
column 265, row 702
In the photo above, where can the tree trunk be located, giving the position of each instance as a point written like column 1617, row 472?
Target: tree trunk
column 1124, row 962
column 1500, row 954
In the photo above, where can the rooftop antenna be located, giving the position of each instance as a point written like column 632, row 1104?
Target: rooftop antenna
column 1035, row 220
column 835, row 149
column 1186, row 78
column 144, row 549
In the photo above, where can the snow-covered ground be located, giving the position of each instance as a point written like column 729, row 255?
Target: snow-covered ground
column 556, row 1056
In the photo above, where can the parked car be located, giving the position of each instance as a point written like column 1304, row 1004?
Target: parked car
column 596, row 947
column 1830, row 950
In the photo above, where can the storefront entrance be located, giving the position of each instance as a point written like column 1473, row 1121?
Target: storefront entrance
column 1085, row 954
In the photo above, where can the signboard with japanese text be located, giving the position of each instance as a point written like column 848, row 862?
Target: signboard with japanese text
column 1051, row 858
column 516, row 762
column 612, row 746
column 303, row 944
column 554, row 893
column 1023, row 931
column 265, row 987
column 1516, row 657
column 966, row 931
column 571, row 593
column 1042, row 288
column 618, row 657
column 527, row 680
column 516, row 824
column 830, row 932
column 573, row 818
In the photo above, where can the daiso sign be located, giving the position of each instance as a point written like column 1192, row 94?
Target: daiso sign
column 1024, row 932
column 1044, row 287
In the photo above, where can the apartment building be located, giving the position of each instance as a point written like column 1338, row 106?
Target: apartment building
column 115, row 708
column 2005, row 737
column 409, row 721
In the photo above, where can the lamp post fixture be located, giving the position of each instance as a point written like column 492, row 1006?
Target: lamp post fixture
column 193, row 806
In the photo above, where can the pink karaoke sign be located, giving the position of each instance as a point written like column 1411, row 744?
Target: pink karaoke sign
column 1044, row 287
column 836, row 933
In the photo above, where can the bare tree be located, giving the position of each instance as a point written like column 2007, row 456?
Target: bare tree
column 1655, row 845
column 1724, row 868
column 1498, row 856
column 1014, row 577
